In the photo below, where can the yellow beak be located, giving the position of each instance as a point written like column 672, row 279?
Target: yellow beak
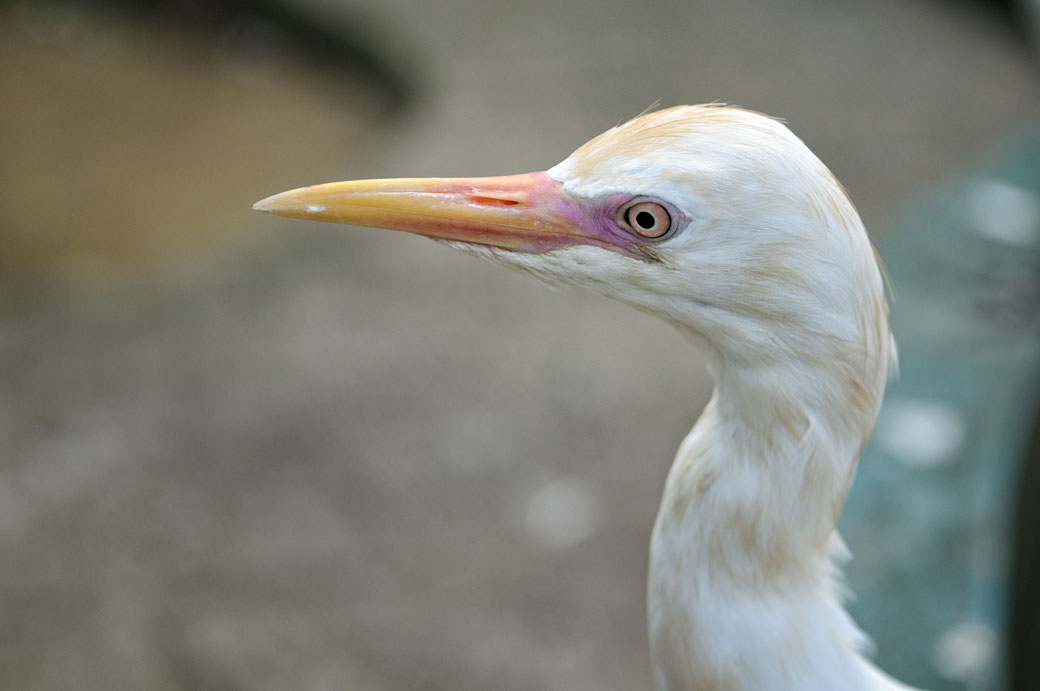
column 526, row 213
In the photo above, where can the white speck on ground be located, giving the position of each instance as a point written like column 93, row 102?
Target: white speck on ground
column 563, row 513
column 921, row 433
column 965, row 650
column 1004, row 212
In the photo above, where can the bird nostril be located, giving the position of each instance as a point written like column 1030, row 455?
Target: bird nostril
column 493, row 201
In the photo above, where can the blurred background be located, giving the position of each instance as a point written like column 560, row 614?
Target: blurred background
column 244, row 453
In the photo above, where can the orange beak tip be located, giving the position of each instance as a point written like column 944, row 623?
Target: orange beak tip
column 271, row 204
column 291, row 204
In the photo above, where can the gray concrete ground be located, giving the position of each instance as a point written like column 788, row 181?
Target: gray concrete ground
column 239, row 453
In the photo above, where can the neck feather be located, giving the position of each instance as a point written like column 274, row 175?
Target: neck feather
column 741, row 563
column 766, row 468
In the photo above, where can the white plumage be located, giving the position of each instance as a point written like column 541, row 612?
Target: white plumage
column 723, row 223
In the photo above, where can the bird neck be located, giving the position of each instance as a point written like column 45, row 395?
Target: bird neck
column 741, row 551
column 760, row 480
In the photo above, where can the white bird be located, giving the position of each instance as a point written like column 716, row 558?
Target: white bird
column 723, row 223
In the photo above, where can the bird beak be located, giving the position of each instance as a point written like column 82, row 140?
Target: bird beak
column 525, row 213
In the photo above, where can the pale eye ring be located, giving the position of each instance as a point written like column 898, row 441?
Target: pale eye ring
column 647, row 219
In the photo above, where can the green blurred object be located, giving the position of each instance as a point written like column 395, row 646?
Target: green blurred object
column 940, row 476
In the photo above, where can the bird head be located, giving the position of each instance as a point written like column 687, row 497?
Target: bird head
column 717, row 219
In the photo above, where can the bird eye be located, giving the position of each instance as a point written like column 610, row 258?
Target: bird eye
column 648, row 219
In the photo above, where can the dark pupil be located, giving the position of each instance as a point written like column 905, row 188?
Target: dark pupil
column 645, row 220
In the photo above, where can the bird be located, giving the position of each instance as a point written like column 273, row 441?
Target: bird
column 722, row 222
